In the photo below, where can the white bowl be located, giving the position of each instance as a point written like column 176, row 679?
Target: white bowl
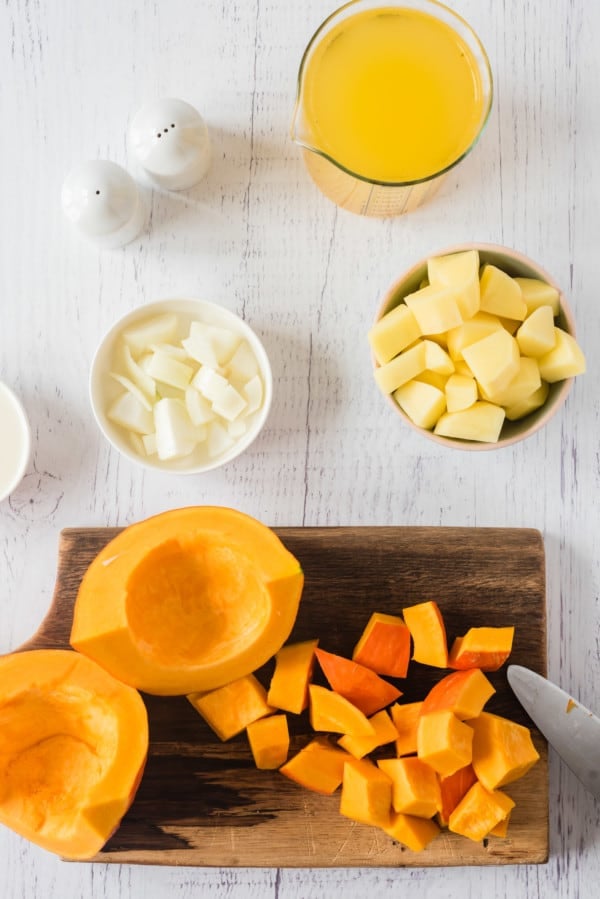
column 103, row 388
column 516, row 265
column 15, row 450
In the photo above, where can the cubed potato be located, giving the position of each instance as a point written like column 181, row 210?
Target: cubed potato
column 565, row 359
column 501, row 294
column 393, row 333
column 536, row 335
column 461, row 392
column 494, row 360
column 401, row 369
column 437, row 359
column 436, row 309
column 476, row 328
column 538, row 293
column 529, row 403
column 459, row 271
column 525, row 382
column 434, row 378
column 482, row 421
column 423, row 403
column 463, row 368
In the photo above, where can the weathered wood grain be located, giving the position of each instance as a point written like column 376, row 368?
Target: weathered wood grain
column 202, row 802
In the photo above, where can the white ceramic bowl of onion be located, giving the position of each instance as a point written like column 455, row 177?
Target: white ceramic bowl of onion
column 181, row 385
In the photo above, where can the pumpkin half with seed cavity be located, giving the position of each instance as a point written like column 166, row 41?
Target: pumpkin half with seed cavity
column 73, row 746
column 188, row 600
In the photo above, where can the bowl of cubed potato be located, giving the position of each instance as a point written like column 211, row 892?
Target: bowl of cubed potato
column 475, row 347
column 181, row 385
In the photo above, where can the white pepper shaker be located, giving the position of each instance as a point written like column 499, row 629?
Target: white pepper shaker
column 103, row 202
column 170, row 140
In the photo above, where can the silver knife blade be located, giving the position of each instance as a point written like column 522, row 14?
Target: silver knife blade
column 569, row 727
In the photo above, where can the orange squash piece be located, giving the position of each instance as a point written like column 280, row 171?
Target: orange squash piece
column 366, row 793
column 384, row 645
column 294, row 665
column 427, row 629
column 187, row 601
column 230, row 709
column 331, row 712
column 319, row 766
column 452, row 789
column 464, row 692
column 479, row 812
column 416, row 833
column 359, row 685
column 416, row 788
column 405, row 716
column 385, row 732
column 503, row 750
column 269, row 740
column 444, row 742
column 486, row 648
column 73, row 744
column 501, row 828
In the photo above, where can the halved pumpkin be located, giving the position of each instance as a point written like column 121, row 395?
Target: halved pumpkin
column 73, row 745
column 187, row 601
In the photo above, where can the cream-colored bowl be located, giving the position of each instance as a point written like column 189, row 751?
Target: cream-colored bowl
column 104, row 389
column 15, row 441
column 516, row 265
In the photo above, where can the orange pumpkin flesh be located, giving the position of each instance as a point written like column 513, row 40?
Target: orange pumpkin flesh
column 73, row 744
column 187, row 601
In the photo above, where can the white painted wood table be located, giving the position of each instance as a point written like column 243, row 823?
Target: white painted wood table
column 258, row 237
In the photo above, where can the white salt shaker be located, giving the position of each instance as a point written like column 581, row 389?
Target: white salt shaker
column 103, row 202
column 170, row 140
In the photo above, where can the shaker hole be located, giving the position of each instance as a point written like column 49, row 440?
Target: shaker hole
column 159, row 134
column 97, row 193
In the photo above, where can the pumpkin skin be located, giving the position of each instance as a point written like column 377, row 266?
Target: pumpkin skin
column 73, row 744
column 187, row 601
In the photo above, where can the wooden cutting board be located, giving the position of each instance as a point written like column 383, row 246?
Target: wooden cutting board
column 202, row 802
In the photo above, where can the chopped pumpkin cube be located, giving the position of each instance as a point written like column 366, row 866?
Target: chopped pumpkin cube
column 319, row 766
column 452, row 789
column 501, row 828
column 384, row 645
column 426, row 627
column 385, row 732
column 444, row 742
column 293, row 670
column 464, row 692
column 331, row 712
column 406, row 720
column 416, row 833
column 359, row 685
column 479, row 812
column 230, row 709
column 269, row 740
column 486, row 648
column 366, row 793
column 416, row 788
column 503, row 750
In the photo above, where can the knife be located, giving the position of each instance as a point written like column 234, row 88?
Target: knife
column 569, row 727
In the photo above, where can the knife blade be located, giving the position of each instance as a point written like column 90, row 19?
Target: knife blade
column 569, row 727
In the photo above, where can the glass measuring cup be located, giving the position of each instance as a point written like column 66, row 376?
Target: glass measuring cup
column 391, row 96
